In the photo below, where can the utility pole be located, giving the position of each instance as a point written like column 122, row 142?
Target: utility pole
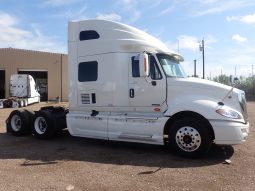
column 202, row 48
column 252, row 77
column 195, row 68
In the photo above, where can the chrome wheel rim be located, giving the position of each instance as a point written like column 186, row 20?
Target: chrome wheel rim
column 40, row 125
column 16, row 123
column 188, row 139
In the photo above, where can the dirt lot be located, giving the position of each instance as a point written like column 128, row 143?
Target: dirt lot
column 70, row 163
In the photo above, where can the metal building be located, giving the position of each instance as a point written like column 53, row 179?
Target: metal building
column 48, row 69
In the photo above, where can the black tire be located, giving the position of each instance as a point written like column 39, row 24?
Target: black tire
column 31, row 117
column 190, row 137
column 43, row 125
column 18, row 123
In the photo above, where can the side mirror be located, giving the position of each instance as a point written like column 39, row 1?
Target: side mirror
column 144, row 65
column 234, row 80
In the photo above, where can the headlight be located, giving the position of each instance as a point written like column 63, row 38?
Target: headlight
column 229, row 113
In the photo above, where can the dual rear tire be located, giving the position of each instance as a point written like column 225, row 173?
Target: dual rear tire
column 43, row 125
column 19, row 122
column 24, row 122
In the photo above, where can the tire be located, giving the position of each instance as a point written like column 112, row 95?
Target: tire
column 43, row 125
column 190, row 137
column 31, row 116
column 18, row 123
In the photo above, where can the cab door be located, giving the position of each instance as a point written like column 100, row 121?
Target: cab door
column 147, row 94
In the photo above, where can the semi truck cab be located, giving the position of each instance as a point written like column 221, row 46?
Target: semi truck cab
column 23, row 92
column 126, row 85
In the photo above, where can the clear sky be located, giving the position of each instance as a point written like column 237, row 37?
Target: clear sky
column 227, row 26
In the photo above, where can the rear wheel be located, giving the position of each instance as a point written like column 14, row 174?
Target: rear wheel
column 19, row 123
column 43, row 125
column 190, row 137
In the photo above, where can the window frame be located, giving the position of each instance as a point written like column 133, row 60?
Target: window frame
column 135, row 70
column 157, row 67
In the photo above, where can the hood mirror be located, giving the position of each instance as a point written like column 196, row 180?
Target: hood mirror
column 234, row 80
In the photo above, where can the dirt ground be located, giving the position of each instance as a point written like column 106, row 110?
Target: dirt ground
column 71, row 163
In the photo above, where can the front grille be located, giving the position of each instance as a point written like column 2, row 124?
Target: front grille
column 243, row 106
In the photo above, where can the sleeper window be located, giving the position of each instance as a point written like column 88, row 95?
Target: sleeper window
column 88, row 71
column 88, row 35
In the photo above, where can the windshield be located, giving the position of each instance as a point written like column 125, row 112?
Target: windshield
column 171, row 66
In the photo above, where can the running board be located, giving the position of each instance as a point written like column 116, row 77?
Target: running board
column 138, row 137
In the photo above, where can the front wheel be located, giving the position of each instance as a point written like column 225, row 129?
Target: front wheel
column 190, row 137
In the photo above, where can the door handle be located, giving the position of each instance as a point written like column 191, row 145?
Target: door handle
column 132, row 93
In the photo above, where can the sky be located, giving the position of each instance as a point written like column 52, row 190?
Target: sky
column 227, row 27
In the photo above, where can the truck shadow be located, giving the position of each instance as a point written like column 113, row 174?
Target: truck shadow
column 67, row 148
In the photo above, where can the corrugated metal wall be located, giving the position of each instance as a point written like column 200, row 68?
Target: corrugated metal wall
column 12, row 60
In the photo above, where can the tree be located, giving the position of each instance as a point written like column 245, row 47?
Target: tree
column 223, row 79
column 245, row 84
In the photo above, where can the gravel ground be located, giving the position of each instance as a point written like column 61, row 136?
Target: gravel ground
column 71, row 163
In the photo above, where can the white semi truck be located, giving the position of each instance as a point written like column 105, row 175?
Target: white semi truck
column 23, row 92
column 126, row 85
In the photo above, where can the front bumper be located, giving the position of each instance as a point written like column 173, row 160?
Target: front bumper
column 229, row 132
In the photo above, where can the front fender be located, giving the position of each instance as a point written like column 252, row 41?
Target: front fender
column 201, row 105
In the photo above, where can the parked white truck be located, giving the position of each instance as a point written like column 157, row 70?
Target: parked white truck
column 126, row 85
column 23, row 92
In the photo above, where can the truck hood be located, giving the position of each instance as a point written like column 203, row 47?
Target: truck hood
column 203, row 97
column 199, row 87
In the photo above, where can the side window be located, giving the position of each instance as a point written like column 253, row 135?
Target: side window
column 89, row 35
column 135, row 67
column 88, row 71
column 154, row 70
